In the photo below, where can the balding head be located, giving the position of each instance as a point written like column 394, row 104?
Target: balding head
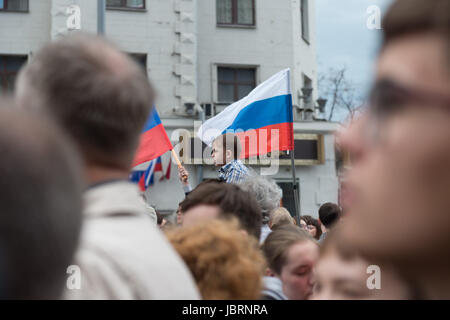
column 97, row 93
column 40, row 198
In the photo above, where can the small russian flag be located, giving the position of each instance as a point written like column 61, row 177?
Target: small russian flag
column 154, row 141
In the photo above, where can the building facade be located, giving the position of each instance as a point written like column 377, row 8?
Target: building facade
column 201, row 55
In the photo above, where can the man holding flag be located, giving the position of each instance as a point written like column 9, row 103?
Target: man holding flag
column 260, row 123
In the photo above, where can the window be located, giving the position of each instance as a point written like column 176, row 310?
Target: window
column 14, row 5
column 9, row 67
column 309, row 151
column 126, row 4
column 305, row 20
column 235, row 12
column 141, row 60
column 235, row 84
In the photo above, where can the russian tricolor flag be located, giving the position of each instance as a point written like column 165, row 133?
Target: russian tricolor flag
column 263, row 120
column 154, row 140
column 146, row 178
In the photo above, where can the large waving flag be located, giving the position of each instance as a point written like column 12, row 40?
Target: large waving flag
column 154, row 140
column 263, row 120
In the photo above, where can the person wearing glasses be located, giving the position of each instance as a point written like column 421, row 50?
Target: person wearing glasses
column 312, row 226
column 400, row 151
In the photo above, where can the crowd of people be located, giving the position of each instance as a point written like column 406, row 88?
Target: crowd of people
column 69, row 135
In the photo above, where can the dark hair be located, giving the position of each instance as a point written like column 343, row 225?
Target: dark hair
column 159, row 218
column 406, row 17
column 231, row 142
column 310, row 221
column 99, row 95
column 329, row 214
column 40, row 196
column 279, row 241
column 232, row 201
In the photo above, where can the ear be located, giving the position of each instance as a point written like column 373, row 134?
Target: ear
column 228, row 154
column 244, row 233
column 269, row 273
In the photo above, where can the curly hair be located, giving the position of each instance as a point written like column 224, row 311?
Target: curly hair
column 225, row 262
column 266, row 192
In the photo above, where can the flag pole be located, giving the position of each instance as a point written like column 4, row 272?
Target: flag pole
column 177, row 160
column 295, row 189
column 291, row 152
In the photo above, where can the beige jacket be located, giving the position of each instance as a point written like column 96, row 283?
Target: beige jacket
column 122, row 255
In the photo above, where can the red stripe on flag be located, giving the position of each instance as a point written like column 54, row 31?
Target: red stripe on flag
column 259, row 141
column 153, row 143
column 141, row 183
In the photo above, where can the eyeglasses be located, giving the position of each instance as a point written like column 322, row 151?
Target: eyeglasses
column 308, row 226
column 388, row 97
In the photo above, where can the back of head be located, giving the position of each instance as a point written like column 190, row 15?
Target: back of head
column 280, row 217
column 98, row 94
column 329, row 214
column 223, row 262
column 278, row 242
column 266, row 192
column 232, row 202
column 40, row 195
column 408, row 17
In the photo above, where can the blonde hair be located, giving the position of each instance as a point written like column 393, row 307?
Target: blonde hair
column 280, row 216
column 224, row 261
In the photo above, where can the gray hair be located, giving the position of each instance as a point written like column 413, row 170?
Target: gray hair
column 267, row 193
column 98, row 95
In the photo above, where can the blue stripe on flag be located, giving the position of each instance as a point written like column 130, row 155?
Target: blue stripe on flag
column 264, row 113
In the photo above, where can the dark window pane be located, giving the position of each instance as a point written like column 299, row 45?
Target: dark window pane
column 305, row 19
column 226, row 92
column 246, row 75
column 10, row 80
column 135, row 4
column 13, row 64
column 9, row 67
column 244, row 90
column 113, row 3
column 17, row 5
column 224, row 11
column 235, row 83
column 141, row 60
column 245, row 11
column 226, row 74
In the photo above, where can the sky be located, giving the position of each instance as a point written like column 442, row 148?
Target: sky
column 343, row 38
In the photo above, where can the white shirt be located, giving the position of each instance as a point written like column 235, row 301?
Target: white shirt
column 265, row 231
column 122, row 255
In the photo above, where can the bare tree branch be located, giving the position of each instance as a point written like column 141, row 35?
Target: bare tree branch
column 342, row 94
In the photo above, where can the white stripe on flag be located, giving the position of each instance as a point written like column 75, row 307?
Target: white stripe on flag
column 277, row 85
column 150, row 172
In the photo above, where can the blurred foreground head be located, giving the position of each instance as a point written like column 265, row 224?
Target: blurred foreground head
column 94, row 91
column 399, row 205
column 224, row 263
column 40, row 197
column 342, row 274
column 214, row 200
